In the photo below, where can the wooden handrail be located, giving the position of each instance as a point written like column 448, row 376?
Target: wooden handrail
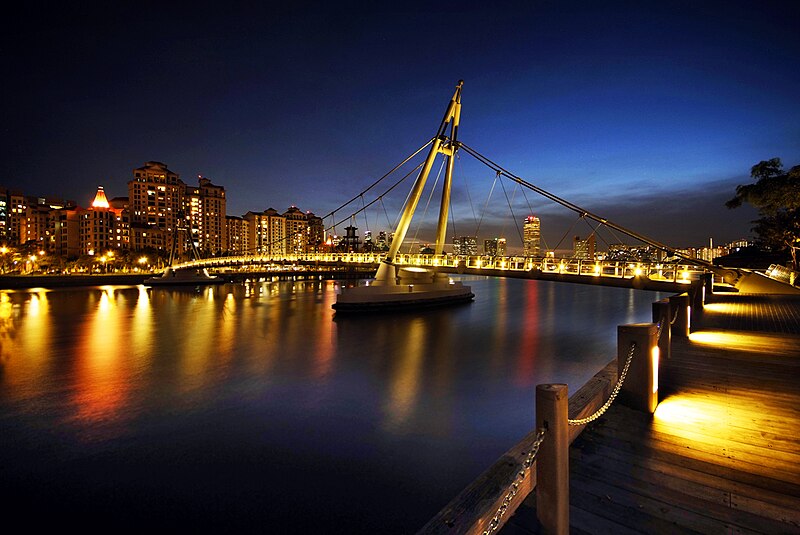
column 471, row 511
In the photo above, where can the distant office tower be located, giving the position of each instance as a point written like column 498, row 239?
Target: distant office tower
column 465, row 245
column 583, row 249
column 382, row 241
column 532, row 236
column 494, row 247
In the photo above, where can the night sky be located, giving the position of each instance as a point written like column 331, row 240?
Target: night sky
column 647, row 113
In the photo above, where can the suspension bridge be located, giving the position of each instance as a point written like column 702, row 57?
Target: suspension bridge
column 672, row 269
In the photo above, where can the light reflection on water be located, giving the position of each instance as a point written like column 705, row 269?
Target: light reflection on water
column 201, row 405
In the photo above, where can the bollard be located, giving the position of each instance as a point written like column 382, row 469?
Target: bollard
column 662, row 313
column 679, row 307
column 640, row 389
column 552, row 465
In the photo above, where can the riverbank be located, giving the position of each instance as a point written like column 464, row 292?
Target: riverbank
column 18, row 282
column 23, row 282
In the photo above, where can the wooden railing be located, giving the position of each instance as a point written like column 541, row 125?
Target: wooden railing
column 476, row 509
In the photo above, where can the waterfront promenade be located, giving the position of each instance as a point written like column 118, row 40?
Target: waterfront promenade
column 721, row 454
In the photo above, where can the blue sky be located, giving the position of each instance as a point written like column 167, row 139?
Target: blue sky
column 648, row 113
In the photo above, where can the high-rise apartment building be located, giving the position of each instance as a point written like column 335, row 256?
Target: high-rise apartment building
column 204, row 208
column 156, row 197
column 266, row 232
column 97, row 226
column 532, row 236
column 237, row 236
column 296, row 230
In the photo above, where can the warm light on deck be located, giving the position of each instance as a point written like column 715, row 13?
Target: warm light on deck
column 739, row 341
column 688, row 411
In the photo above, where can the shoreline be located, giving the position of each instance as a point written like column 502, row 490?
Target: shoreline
column 27, row 282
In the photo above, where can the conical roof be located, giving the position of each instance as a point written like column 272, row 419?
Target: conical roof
column 100, row 200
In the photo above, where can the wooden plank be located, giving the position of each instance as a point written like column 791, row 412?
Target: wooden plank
column 703, row 500
column 635, row 513
column 781, row 465
column 701, row 473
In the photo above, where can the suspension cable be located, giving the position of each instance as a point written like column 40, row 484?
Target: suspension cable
column 486, row 204
column 516, row 224
column 575, row 208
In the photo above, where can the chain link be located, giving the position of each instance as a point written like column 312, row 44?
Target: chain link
column 607, row 404
column 675, row 317
column 512, row 490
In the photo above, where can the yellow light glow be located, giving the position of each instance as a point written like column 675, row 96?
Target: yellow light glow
column 685, row 275
column 597, row 269
column 681, row 410
column 637, row 272
column 3, row 249
column 725, row 308
column 654, row 354
column 758, row 342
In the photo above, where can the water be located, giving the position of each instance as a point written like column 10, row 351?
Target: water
column 251, row 408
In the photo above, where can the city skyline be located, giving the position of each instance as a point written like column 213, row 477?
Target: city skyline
column 647, row 115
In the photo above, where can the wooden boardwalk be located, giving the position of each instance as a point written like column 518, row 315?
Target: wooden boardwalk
column 722, row 452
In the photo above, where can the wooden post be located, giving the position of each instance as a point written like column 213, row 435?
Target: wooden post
column 708, row 284
column 662, row 313
column 640, row 389
column 679, row 304
column 698, row 294
column 552, row 464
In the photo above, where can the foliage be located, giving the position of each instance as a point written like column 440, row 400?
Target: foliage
column 776, row 195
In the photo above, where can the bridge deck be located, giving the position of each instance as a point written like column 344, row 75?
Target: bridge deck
column 721, row 454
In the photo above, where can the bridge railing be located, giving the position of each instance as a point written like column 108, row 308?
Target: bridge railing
column 668, row 272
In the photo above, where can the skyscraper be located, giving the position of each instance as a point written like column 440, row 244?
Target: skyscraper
column 532, row 236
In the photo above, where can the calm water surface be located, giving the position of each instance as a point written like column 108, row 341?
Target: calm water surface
column 251, row 407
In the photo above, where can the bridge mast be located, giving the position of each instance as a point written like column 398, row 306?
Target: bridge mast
column 441, row 144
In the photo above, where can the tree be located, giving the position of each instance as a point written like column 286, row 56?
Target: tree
column 776, row 195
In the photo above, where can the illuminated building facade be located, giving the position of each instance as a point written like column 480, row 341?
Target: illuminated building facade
column 266, row 232
column 296, row 230
column 204, row 208
column 156, row 197
column 532, row 236
column 237, row 238
column 465, row 245
column 583, row 249
column 494, row 247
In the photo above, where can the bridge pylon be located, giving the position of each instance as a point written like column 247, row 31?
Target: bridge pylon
column 442, row 144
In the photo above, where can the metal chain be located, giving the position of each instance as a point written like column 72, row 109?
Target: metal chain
column 512, row 490
column 675, row 317
column 660, row 327
column 613, row 395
